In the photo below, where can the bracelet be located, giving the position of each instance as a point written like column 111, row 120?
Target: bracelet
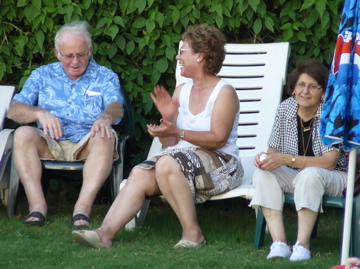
column 293, row 160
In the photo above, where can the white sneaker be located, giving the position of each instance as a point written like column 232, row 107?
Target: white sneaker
column 300, row 253
column 279, row 250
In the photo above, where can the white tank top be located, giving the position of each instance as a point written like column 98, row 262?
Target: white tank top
column 202, row 121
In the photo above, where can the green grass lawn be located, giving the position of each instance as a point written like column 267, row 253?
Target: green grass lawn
column 228, row 226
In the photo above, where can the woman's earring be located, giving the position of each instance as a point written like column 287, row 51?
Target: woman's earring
column 321, row 99
column 198, row 60
column 293, row 94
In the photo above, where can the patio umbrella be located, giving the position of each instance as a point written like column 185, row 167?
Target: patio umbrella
column 340, row 119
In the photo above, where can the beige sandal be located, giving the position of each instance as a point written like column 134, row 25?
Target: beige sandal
column 88, row 239
column 188, row 244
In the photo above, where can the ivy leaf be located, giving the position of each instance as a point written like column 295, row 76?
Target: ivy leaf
column 175, row 16
column 307, row 4
column 316, row 52
column 69, row 12
column 166, row 40
column 37, row 4
column 288, row 33
column 219, row 21
column 325, row 20
column 112, row 31
column 141, row 4
column 89, row 13
column 269, row 23
column 22, row 3
column 101, row 23
column 161, row 65
column 147, row 101
column 130, row 46
column 112, row 50
column 257, row 26
column 119, row 20
column 242, row 6
column 320, row 7
column 86, row 3
column 123, row 5
column 31, row 12
column 170, row 53
column 19, row 46
column 301, row 36
column 150, row 25
column 159, row 18
column 40, row 38
column 254, row 4
column 139, row 23
column 142, row 44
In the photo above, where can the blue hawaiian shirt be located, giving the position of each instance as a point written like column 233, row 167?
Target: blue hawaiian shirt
column 76, row 103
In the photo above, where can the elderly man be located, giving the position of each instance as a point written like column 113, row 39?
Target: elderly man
column 74, row 102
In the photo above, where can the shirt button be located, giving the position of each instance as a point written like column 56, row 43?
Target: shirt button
column 69, row 103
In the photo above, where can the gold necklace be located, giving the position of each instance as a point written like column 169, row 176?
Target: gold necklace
column 302, row 135
column 307, row 128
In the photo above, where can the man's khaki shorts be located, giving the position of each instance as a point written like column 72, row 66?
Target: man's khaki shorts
column 68, row 151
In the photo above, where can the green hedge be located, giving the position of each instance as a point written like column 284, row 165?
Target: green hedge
column 138, row 39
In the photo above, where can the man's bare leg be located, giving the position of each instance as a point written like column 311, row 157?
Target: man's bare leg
column 29, row 146
column 99, row 152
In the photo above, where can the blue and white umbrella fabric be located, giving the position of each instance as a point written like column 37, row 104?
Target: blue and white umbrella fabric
column 340, row 119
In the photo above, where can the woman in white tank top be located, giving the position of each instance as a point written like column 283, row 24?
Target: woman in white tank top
column 199, row 127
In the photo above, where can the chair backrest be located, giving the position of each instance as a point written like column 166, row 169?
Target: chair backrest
column 258, row 73
column 6, row 94
column 127, row 125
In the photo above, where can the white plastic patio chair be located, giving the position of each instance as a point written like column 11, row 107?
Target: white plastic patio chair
column 6, row 140
column 258, row 73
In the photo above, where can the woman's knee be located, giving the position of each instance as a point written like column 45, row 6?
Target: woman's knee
column 309, row 178
column 165, row 166
column 142, row 179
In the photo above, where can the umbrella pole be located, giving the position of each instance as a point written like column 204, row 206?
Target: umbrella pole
column 348, row 206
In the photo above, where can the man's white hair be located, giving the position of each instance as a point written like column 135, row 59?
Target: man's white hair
column 79, row 27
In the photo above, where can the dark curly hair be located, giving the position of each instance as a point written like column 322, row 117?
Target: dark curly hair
column 314, row 68
column 209, row 41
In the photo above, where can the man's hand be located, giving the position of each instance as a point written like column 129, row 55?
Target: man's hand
column 103, row 126
column 50, row 123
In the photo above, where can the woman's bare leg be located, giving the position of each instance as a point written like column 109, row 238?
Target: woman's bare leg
column 175, row 188
column 128, row 203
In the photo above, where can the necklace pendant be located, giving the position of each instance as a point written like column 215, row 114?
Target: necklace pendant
column 305, row 129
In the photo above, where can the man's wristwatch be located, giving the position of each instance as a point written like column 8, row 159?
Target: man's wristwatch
column 182, row 134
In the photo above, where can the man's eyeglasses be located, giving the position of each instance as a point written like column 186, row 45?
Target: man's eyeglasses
column 69, row 57
column 181, row 50
column 310, row 87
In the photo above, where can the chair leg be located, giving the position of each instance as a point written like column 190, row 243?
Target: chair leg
column 13, row 190
column 139, row 219
column 259, row 229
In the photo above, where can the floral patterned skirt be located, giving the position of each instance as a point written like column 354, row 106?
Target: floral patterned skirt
column 208, row 172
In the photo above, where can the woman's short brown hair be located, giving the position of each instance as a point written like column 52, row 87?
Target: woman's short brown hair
column 210, row 42
column 314, row 68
